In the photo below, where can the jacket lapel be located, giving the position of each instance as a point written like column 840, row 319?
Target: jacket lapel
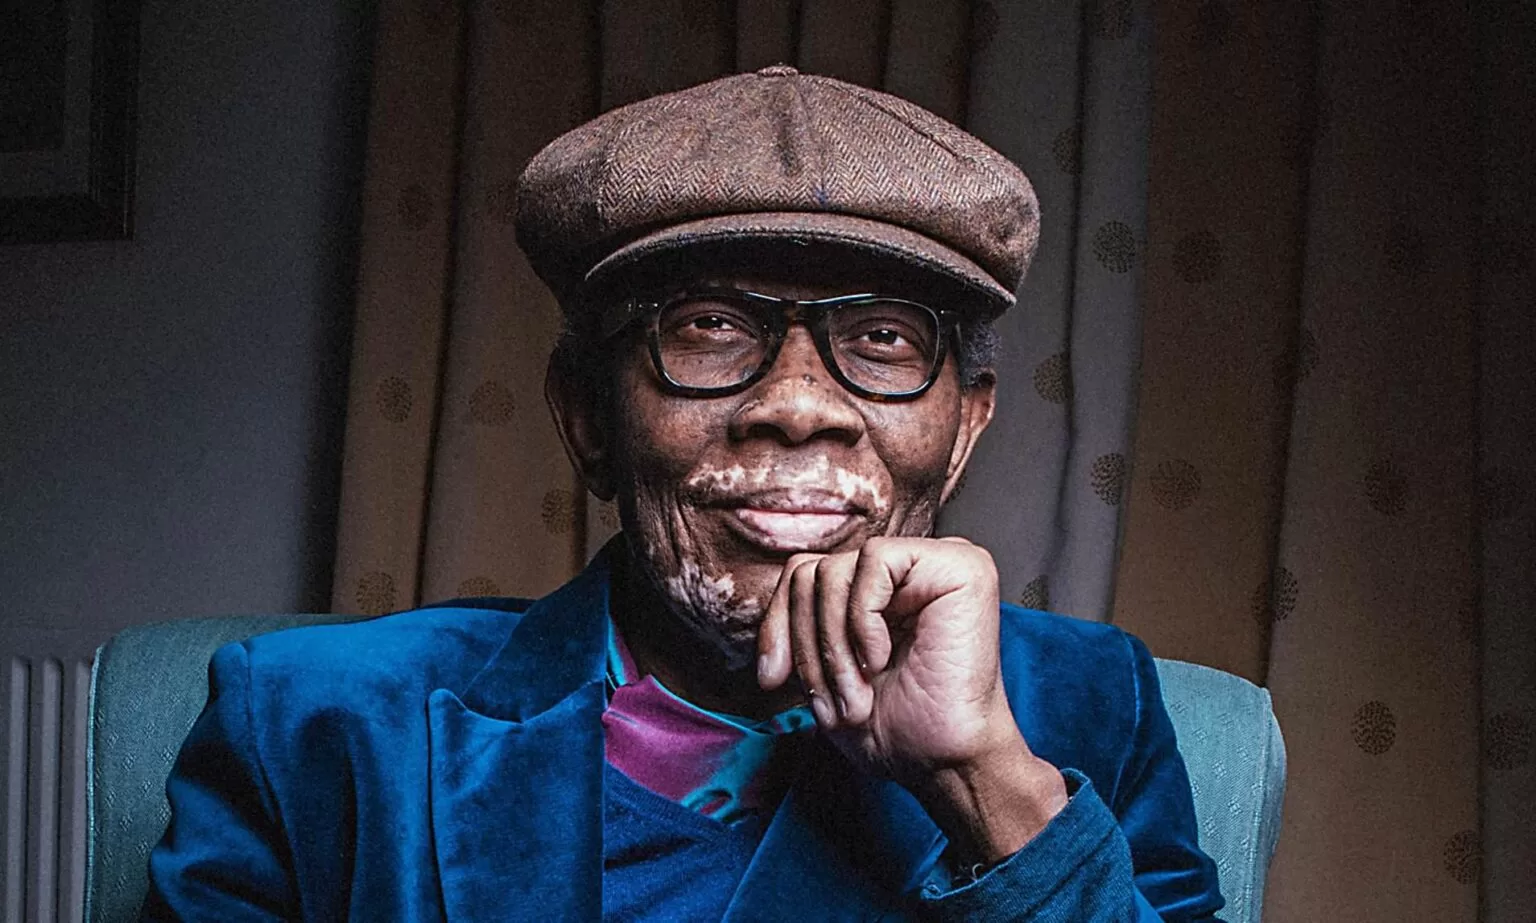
column 842, row 846
column 517, row 761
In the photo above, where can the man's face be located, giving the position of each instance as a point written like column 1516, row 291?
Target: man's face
column 716, row 493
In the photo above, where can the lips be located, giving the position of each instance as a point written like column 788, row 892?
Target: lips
column 793, row 520
column 795, row 532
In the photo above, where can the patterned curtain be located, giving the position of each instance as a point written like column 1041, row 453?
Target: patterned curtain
column 1046, row 484
column 1505, row 321
column 1265, row 402
column 1335, row 384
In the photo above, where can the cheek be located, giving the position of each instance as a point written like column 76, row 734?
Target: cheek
column 656, row 438
column 658, row 441
column 915, row 449
column 647, row 432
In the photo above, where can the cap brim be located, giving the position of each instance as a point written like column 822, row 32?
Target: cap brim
column 875, row 237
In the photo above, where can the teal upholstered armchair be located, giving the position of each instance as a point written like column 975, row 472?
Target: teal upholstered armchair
column 149, row 684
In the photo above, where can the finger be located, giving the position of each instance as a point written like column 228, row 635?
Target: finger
column 850, row 693
column 774, row 666
column 869, row 595
column 803, row 641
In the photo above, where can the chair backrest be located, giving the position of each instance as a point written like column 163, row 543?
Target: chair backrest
column 149, row 683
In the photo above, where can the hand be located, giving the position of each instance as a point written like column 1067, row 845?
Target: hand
column 897, row 646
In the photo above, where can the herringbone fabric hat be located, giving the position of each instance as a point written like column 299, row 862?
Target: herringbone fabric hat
column 776, row 155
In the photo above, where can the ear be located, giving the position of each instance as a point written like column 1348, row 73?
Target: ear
column 582, row 426
column 977, row 404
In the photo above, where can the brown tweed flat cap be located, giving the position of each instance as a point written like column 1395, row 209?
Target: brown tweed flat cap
column 776, row 155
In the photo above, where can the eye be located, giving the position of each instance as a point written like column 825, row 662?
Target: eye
column 698, row 323
column 711, row 322
column 884, row 339
column 884, row 336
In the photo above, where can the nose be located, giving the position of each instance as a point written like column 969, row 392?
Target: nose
column 798, row 400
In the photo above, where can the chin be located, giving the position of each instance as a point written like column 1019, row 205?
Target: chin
column 714, row 611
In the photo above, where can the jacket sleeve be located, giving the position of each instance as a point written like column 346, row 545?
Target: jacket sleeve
column 223, row 857
column 1131, row 857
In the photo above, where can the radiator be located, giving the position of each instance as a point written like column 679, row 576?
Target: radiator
column 45, row 719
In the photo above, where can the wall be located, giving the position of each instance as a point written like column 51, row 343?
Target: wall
column 171, row 407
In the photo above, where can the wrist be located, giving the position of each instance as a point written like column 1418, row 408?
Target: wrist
column 991, row 806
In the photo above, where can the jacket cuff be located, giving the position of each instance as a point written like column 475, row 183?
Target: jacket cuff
column 1077, row 869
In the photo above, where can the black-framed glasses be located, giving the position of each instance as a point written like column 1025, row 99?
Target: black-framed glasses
column 713, row 342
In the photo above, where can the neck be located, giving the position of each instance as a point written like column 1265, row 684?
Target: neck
column 689, row 666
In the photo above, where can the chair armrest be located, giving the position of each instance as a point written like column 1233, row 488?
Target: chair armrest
column 148, row 685
column 1232, row 747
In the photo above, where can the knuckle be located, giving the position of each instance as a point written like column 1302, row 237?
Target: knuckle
column 832, row 574
column 989, row 568
column 983, row 561
column 846, row 678
column 975, row 559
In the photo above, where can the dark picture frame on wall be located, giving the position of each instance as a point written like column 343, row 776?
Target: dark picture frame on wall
column 68, row 96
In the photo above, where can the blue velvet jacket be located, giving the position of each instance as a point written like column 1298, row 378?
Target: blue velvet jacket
column 447, row 764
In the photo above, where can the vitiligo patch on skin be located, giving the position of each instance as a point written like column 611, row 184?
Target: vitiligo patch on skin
column 709, row 598
column 709, row 602
column 856, row 489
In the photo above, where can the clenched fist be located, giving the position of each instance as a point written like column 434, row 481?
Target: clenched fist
column 897, row 647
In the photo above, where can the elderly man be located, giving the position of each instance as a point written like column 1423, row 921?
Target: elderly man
column 774, row 696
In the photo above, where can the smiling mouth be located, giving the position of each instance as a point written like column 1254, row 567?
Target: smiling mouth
column 778, row 530
column 793, row 522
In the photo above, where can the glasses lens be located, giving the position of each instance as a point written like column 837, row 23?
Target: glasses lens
column 711, row 341
column 719, row 340
column 884, row 345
